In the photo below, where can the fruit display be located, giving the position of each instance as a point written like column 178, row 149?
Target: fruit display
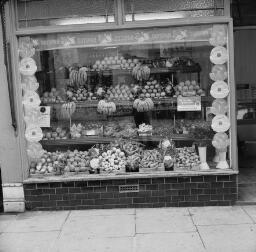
column 55, row 134
column 188, row 88
column 186, row 158
column 120, row 93
column 131, row 147
column 133, row 162
column 51, row 97
column 145, row 129
column 77, row 161
column 141, row 72
column 153, row 90
column 115, row 62
column 49, row 163
column 113, row 160
column 143, row 105
column 88, row 129
column 151, row 159
column 78, row 76
column 67, row 109
column 80, row 94
column 106, row 107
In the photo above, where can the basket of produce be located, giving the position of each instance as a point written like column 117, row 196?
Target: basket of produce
column 152, row 160
column 186, row 159
column 145, row 130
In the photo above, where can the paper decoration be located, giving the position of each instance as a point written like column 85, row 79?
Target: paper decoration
column 33, row 134
column 219, row 55
column 29, row 83
column 220, row 141
column 27, row 66
column 34, row 150
column 218, row 35
column 219, row 73
column 31, row 98
column 219, row 107
column 219, row 89
column 220, row 123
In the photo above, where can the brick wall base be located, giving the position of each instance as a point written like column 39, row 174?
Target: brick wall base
column 210, row 190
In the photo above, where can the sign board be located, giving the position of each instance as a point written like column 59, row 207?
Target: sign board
column 45, row 116
column 192, row 103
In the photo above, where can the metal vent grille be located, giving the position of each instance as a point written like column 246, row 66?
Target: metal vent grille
column 128, row 188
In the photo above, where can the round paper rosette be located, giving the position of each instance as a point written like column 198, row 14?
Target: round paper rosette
column 32, row 115
column 219, row 107
column 219, row 89
column 219, row 73
column 220, row 123
column 220, row 141
column 35, row 150
column 33, row 133
column 219, row 55
column 218, row 35
column 31, row 98
column 26, row 51
column 27, row 66
column 29, row 83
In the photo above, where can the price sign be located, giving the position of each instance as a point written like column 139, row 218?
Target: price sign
column 45, row 116
column 192, row 103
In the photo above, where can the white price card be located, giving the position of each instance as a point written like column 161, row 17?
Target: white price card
column 192, row 103
column 45, row 116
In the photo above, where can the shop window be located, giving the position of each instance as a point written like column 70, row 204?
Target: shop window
column 138, row 100
column 138, row 10
column 54, row 12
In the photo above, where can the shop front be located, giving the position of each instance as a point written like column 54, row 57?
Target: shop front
column 122, row 103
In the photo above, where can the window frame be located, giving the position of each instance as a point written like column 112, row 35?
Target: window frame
column 14, row 33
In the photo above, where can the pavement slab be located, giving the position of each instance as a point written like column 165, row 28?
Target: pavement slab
column 229, row 238
column 28, row 242
column 38, row 221
column 80, row 244
column 251, row 211
column 5, row 221
column 163, row 220
column 219, row 215
column 102, row 212
column 98, row 226
column 169, row 242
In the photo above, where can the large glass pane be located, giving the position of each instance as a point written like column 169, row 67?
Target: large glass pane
column 136, row 10
column 64, row 12
column 144, row 100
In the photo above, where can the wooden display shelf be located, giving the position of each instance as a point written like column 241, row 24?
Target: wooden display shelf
column 101, row 139
column 154, row 70
column 165, row 101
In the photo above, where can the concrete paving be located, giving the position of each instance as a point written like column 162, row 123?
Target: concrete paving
column 132, row 230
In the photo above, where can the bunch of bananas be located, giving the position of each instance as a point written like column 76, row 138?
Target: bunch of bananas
column 141, row 72
column 78, row 77
column 106, row 107
column 67, row 109
column 143, row 105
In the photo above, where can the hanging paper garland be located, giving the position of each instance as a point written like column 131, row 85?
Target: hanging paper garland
column 220, row 141
column 219, row 73
column 31, row 98
column 218, row 35
column 219, row 107
column 35, row 150
column 219, row 89
column 220, row 123
column 34, row 134
column 219, row 55
column 27, row 66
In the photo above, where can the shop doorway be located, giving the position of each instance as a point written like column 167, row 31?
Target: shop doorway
column 245, row 62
